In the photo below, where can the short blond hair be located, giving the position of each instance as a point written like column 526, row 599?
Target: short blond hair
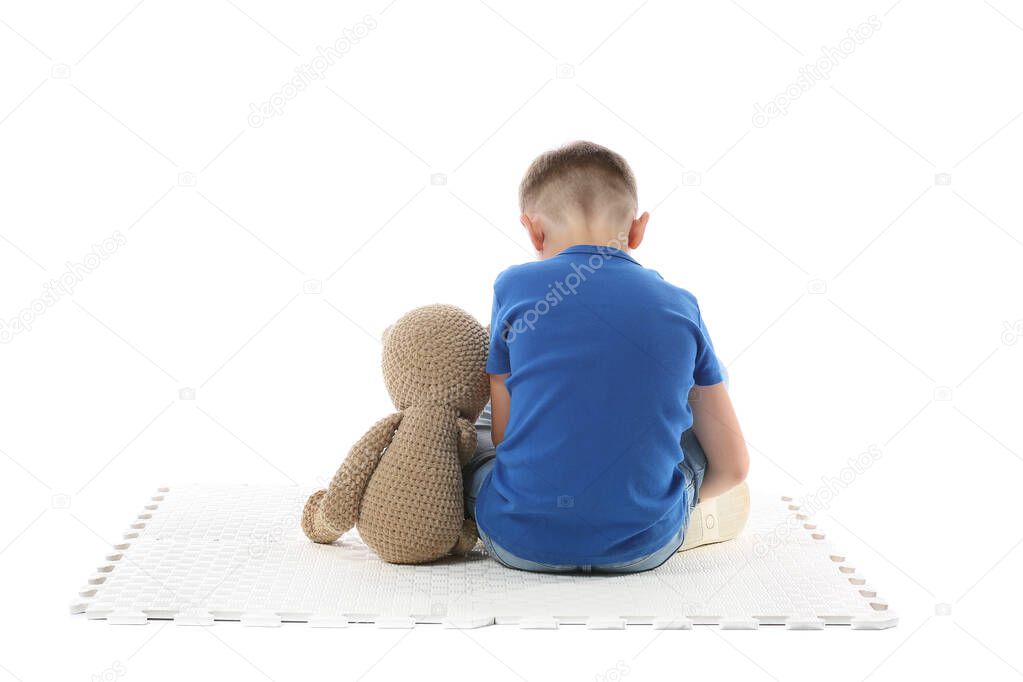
column 583, row 176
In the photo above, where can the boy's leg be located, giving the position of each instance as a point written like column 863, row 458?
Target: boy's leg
column 693, row 465
column 718, row 518
column 650, row 561
column 509, row 560
column 475, row 473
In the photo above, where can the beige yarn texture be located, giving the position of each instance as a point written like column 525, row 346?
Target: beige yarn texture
column 401, row 483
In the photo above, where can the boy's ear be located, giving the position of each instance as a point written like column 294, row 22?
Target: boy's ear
column 535, row 231
column 637, row 230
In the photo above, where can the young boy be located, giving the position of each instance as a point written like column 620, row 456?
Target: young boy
column 609, row 412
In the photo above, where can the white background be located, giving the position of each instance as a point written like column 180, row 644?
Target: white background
column 845, row 288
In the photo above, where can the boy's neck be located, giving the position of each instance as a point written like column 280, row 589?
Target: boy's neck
column 563, row 239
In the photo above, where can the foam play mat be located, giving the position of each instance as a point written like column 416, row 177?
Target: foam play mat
column 197, row 555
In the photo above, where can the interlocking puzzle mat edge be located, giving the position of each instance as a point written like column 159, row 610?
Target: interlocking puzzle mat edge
column 881, row 616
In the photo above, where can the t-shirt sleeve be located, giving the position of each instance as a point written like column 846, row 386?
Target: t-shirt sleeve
column 498, row 361
column 707, row 371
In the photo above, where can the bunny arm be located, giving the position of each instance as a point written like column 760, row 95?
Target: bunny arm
column 330, row 513
column 466, row 440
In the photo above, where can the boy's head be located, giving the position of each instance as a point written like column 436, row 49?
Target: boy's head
column 581, row 193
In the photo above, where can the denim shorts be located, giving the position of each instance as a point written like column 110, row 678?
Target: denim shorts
column 475, row 473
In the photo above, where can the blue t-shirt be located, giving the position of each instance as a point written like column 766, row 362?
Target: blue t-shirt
column 602, row 354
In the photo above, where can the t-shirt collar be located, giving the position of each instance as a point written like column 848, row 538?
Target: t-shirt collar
column 599, row 250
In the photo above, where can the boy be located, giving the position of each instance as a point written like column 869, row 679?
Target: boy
column 608, row 406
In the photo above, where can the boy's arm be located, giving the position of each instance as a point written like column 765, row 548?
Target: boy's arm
column 717, row 429
column 500, row 403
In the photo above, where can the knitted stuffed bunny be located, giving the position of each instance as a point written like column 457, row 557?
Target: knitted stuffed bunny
column 401, row 484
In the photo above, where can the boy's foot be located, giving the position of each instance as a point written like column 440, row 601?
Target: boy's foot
column 718, row 519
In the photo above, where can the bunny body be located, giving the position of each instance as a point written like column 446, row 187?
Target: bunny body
column 401, row 483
